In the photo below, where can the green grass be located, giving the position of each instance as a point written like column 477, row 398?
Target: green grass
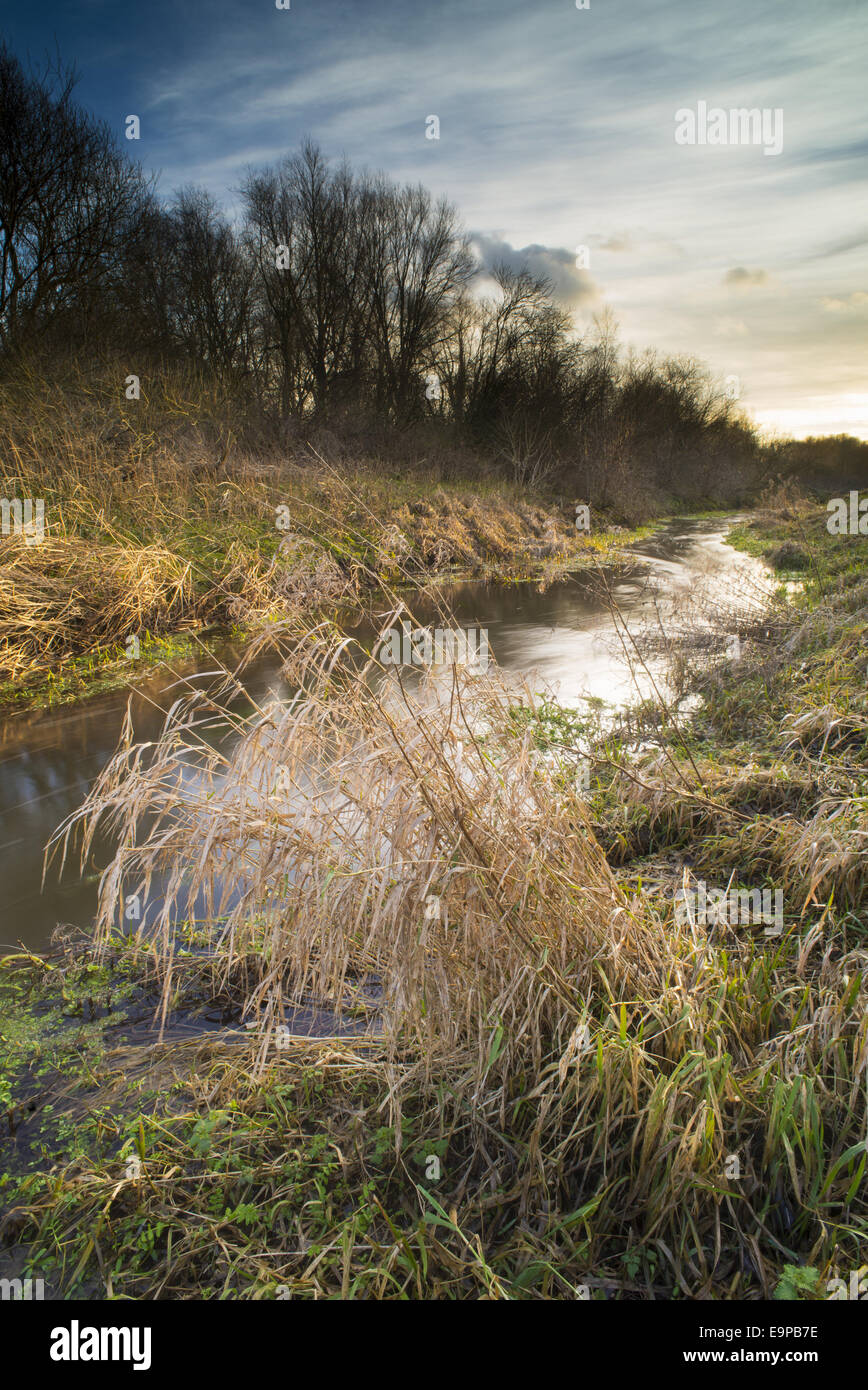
column 103, row 670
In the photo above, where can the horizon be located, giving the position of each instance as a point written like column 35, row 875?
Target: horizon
column 747, row 256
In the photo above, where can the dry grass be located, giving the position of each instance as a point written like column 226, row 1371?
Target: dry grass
column 64, row 596
column 167, row 476
column 338, row 817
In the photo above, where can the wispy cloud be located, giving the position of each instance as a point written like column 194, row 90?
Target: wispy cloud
column 857, row 302
column 740, row 278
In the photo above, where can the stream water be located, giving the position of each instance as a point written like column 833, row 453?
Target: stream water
column 563, row 633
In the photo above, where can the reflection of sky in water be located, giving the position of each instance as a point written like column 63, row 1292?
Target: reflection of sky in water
column 563, row 637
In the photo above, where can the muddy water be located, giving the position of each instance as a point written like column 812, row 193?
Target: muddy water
column 564, row 634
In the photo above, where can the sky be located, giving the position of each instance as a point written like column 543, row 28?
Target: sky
column 570, row 139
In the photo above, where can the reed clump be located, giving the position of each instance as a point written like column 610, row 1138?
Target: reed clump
column 370, row 836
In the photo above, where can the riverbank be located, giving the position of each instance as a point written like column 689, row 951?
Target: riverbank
column 153, row 525
column 138, row 575
column 686, row 1120
column 561, row 630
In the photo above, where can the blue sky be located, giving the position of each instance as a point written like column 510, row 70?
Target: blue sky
column 557, row 130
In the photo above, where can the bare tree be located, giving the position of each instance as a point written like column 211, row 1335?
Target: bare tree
column 305, row 228
column 70, row 202
column 213, row 279
column 419, row 263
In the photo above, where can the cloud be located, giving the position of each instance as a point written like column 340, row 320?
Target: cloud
column 740, row 278
column 851, row 303
column 731, row 328
column 571, row 286
column 856, row 242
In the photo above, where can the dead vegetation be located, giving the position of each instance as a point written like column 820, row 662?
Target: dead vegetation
column 158, row 519
column 65, row 596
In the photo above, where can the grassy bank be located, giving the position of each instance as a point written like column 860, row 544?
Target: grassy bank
column 160, row 523
column 567, row 1088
